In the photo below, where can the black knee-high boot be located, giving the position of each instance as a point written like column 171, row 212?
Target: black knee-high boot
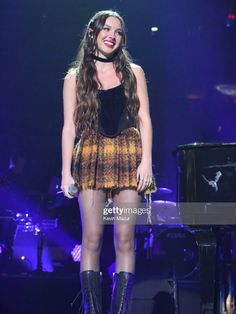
column 91, row 291
column 121, row 291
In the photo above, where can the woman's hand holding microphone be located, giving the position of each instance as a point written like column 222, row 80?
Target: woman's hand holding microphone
column 68, row 187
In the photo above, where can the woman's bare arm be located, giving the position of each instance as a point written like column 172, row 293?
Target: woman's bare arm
column 145, row 169
column 68, row 132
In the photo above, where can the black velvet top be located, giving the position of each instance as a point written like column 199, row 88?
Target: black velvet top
column 114, row 116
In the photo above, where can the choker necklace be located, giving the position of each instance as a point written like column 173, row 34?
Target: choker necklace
column 110, row 59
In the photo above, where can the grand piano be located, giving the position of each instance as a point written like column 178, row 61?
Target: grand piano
column 206, row 190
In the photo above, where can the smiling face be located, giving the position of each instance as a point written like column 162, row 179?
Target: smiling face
column 110, row 37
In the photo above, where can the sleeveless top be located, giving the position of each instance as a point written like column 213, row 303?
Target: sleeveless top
column 113, row 116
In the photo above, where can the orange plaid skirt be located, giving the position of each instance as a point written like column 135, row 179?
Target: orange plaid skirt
column 101, row 162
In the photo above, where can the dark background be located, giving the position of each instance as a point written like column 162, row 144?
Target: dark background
column 193, row 51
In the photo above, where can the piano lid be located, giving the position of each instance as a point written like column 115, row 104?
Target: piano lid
column 202, row 145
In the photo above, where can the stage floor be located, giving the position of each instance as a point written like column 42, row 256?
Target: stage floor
column 51, row 293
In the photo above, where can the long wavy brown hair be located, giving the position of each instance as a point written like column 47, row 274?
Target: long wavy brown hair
column 87, row 82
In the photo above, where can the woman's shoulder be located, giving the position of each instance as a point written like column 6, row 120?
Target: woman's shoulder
column 135, row 66
column 70, row 80
column 137, row 69
column 71, row 73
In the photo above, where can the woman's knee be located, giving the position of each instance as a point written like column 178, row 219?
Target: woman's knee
column 124, row 242
column 92, row 241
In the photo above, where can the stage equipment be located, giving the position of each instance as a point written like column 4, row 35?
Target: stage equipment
column 7, row 233
column 166, row 252
column 29, row 240
column 206, row 175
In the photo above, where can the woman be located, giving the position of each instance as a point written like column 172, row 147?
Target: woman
column 106, row 108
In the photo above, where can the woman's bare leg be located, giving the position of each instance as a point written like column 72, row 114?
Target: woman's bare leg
column 124, row 232
column 91, row 204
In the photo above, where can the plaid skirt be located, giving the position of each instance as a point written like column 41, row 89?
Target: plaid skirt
column 101, row 162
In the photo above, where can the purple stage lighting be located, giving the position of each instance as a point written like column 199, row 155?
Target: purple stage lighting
column 25, row 249
column 76, row 253
column 1, row 249
column 231, row 16
column 230, row 19
column 227, row 89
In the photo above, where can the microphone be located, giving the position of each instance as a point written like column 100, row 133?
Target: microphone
column 73, row 190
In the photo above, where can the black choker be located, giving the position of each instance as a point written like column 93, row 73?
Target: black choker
column 110, row 59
